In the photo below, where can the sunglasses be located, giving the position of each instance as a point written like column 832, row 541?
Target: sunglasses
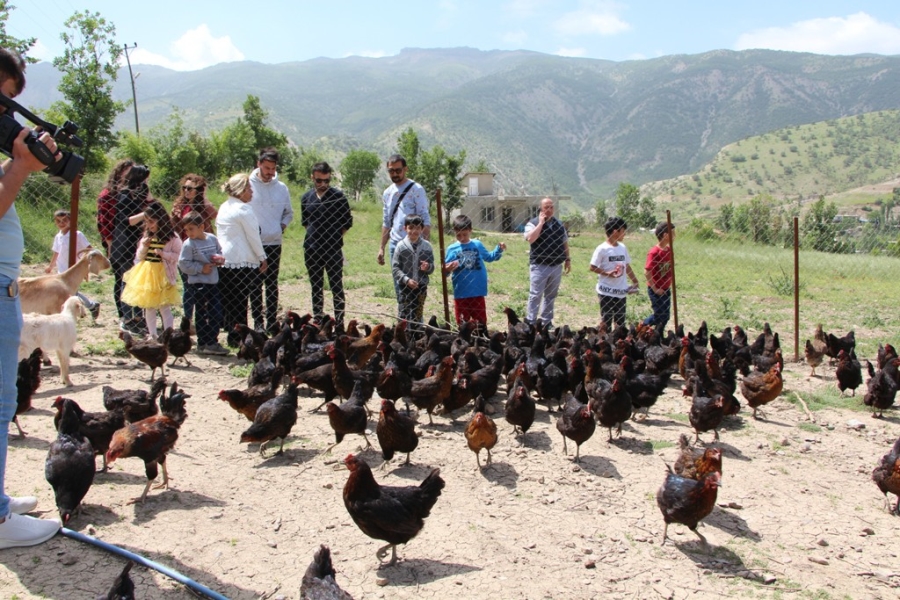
column 326, row 180
column 188, row 188
column 395, row 171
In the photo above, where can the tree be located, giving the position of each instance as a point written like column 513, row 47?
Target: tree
column 255, row 118
column 726, row 217
column 452, row 195
column 628, row 198
column 358, row 171
column 12, row 43
column 408, row 148
column 431, row 171
column 481, row 167
column 89, row 67
column 818, row 227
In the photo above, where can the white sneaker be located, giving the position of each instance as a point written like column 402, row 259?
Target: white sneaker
column 22, row 504
column 22, row 530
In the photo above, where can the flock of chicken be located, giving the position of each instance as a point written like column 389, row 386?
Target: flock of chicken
column 591, row 376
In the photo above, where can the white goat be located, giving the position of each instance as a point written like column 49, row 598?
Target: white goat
column 53, row 332
column 46, row 294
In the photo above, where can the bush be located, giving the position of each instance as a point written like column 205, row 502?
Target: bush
column 700, row 229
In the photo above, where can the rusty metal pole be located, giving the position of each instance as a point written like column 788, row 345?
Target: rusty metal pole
column 674, row 289
column 440, row 220
column 73, row 219
column 796, row 290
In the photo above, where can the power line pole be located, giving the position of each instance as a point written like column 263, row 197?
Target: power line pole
column 137, row 127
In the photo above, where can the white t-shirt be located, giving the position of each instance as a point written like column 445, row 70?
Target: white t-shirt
column 61, row 246
column 607, row 257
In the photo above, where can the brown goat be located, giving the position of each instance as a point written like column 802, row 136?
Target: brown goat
column 46, row 294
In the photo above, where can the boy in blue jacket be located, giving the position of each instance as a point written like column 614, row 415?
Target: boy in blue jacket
column 465, row 260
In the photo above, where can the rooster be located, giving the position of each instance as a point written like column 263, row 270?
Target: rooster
column 392, row 514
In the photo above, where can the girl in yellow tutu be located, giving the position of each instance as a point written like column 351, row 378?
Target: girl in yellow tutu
column 151, row 283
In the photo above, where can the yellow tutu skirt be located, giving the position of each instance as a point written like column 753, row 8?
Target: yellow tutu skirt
column 146, row 286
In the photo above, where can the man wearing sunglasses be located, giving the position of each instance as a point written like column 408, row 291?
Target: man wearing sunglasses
column 271, row 204
column 325, row 213
column 402, row 198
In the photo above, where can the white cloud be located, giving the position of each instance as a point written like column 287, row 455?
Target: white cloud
column 40, row 51
column 368, row 54
column 524, row 8
column 571, row 52
column 196, row 49
column 515, row 38
column 592, row 18
column 854, row 34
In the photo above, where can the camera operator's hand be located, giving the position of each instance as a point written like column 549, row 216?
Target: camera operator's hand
column 22, row 155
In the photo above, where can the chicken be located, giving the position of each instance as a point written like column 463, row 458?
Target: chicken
column 248, row 401
column 552, row 381
column 460, row 395
column 321, row 379
column 481, row 432
column 697, row 463
column 835, row 344
column 360, row 351
column 343, row 377
column 706, row 412
column 815, row 350
column 250, row 341
column 274, row 419
column 887, row 477
column 351, row 416
column 152, row 439
column 882, row 389
column 612, row 407
column 123, row 587
column 264, row 368
column 178, row 341
column 393, row 383
column 319, row 579
column 486, row 380
column 97, row 427
column 150, row 352
column 427, row 393
column 69, row 468
column 395, row 432
column 392, row 514
column 28, row 380
column 520, row 407
column 644, row 388
column 761, row 388
column 687, row 501
column 848, row 372
column 576, row 423
column 136, row 405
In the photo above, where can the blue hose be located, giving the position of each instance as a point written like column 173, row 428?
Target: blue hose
column 143, row 561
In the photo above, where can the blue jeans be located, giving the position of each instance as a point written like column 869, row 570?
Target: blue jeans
column 660, row 304
column 208, row 308
column 187, row 298
column 10, row 329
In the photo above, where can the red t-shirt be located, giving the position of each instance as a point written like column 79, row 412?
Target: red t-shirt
column 659, row 266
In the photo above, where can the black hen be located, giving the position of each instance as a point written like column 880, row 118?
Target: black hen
column 179, row 342
column 28, row 380
column 318, row 582
column 69, row 468
column 122, row 588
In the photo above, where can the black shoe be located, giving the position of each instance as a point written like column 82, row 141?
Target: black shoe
column 95, row 310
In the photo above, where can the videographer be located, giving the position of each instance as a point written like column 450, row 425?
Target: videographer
column 16, row 529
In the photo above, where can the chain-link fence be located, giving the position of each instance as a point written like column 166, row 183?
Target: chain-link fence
column 732, row 265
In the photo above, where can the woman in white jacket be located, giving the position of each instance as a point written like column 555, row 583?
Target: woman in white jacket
column 245, row 259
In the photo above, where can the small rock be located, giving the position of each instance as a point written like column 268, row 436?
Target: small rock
column 382, row 581
column 91, row 530
column 785, row 442
column 330, row 461
column 541, row 480
column 818, row 560
column 489, row 409
column 68, row 560
column 822, row 542
column 328, row 486
column 805, row 447
column 856, row 424
column 829, row 427
column 272, row 544
column 217, row 516
column 760, row 446
column 769, row 579
column 587, row 550
column 331, row 526
column 530, row 546
column 868, row 531
column 569, row 545
column 575, row 468
column 590, row 564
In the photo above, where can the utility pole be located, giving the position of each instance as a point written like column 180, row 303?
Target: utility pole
column 137, row 127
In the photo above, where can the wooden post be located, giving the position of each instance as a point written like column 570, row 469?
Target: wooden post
column 796, row 289
column 73, row 219
column 440, row 220
column 674, row 289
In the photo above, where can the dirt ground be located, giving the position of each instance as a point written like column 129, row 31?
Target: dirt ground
column 798, row 516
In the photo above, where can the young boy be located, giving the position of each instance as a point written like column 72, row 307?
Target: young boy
column 612, row 263
column 465, row 260
column 412, row 263
column 201, row 254
column 59, row 262
column 658, row 270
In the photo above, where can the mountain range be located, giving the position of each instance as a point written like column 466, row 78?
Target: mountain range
column 543, row 123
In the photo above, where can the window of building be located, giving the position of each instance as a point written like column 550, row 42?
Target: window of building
column 535, row 211
column 487, row 214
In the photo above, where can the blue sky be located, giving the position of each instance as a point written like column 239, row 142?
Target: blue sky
column 187, row 35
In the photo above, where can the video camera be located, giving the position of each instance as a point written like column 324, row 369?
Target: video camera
column 63, row 170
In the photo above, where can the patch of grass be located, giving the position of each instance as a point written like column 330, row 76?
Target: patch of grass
column 660, row 444
column 680, row 417
column 110, row 346
column 809, row 427
column 242, row 371
column 830, row 397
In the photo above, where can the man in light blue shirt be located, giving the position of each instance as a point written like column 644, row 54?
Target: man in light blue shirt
column 402, row 198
